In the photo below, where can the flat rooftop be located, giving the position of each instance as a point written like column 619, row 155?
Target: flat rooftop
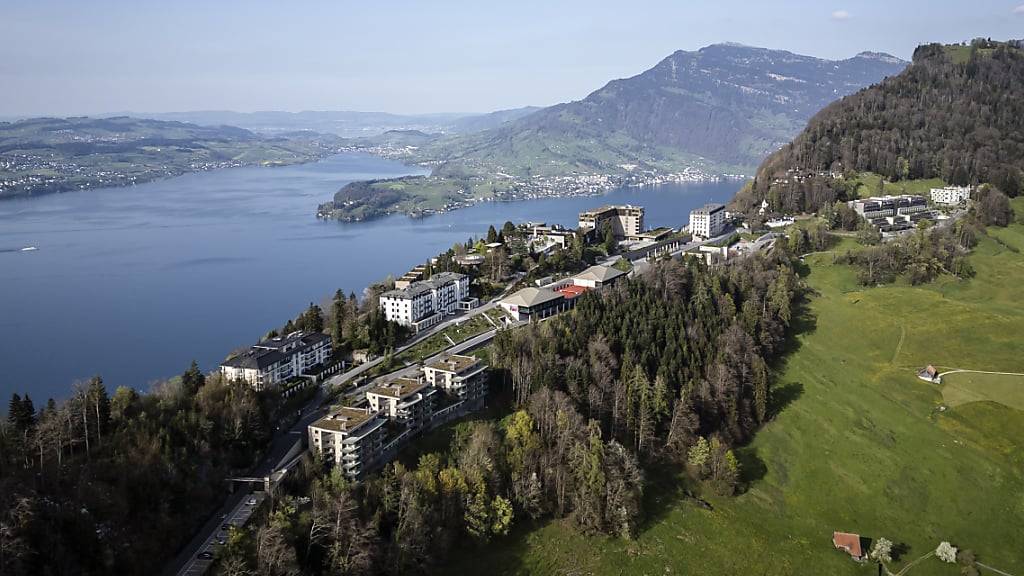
column 610, row 208
column 708, row 209
column 344, row 419
column 399, row 388
column 454, row 363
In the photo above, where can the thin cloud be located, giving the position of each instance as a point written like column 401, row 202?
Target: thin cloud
column 1019, row 9
column 840, row 15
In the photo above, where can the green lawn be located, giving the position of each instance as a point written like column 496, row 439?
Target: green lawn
column 965, row 387
column 434, row 344
column 860, row 446
column 868, row 186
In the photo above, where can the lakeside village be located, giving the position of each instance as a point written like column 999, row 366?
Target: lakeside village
column 522, row 273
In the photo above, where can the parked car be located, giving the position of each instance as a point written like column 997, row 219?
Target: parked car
column 206, row 555
column 251, row 501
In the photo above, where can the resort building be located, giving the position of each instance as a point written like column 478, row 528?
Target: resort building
column 951, row 195
column 463, row 377
column 349, row 437
column 533, row 303
column 423, row 304
column 886, row 206
column 892, row 213
column 277, row 359
column 707, row 221
column 626, row 221
column 406, row 400
column 597, row 277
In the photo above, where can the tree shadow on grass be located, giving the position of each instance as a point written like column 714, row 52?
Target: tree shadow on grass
column 899, row 550
column 782, row 396
column 752, row 467
column 665, row 485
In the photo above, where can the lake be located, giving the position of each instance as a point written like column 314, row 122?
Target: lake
column 133, row 283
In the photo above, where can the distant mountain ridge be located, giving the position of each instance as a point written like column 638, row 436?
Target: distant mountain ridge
column 46, row 155
column 727, row 105
column 348, row 124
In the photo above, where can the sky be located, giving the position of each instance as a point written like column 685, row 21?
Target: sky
column 418, row 56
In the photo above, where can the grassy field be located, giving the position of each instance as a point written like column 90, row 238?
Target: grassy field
column 868, row 186
column 859, row 445
column 965, row 387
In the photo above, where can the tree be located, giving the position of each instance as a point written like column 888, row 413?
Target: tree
column 946, row 552
column 699, row 454
column 501, row 516
column 312, row 320
column 508, row 230
column 587, row 461
column 192, row 380
column 492, row 235
column 338, row 314
column 992, row 206
column 100, row 405
column 609, row 240
column 21, row 413
column 881, row 551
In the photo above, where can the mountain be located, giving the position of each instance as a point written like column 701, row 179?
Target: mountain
column 695, row 115
column 481, row 122
column 955, row 113
column 44, row 155
column 725, row 106
column 348, row 124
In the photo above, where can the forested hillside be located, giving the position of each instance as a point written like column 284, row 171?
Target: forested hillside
column 665, row 372
column 956, row 114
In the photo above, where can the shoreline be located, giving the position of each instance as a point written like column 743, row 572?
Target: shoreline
column 544, row 187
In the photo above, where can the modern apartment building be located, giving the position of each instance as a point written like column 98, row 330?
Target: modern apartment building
column 463, row 377
column 421, row 305
column 892, row 213
column 406, row 400
column 351, row 438
column 707, row 221
column 277, row 359
column 886, row 206
column 626, row 221
column 951, row 195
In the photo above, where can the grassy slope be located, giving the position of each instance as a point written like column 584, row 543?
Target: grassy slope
column 860, row 448
column 868, row 186
column 964, row 388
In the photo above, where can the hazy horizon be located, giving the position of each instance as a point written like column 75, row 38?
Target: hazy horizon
column 61, row 58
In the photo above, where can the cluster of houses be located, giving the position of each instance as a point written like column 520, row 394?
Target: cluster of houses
column 362, row 438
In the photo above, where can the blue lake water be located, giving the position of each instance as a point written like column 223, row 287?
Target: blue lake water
column 134, row 283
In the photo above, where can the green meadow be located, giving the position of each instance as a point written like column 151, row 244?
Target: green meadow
column 858, row 444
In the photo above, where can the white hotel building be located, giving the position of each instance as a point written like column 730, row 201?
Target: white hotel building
column 707, row 221
column 951, row 195
column 277, row 359
column 421, row 305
